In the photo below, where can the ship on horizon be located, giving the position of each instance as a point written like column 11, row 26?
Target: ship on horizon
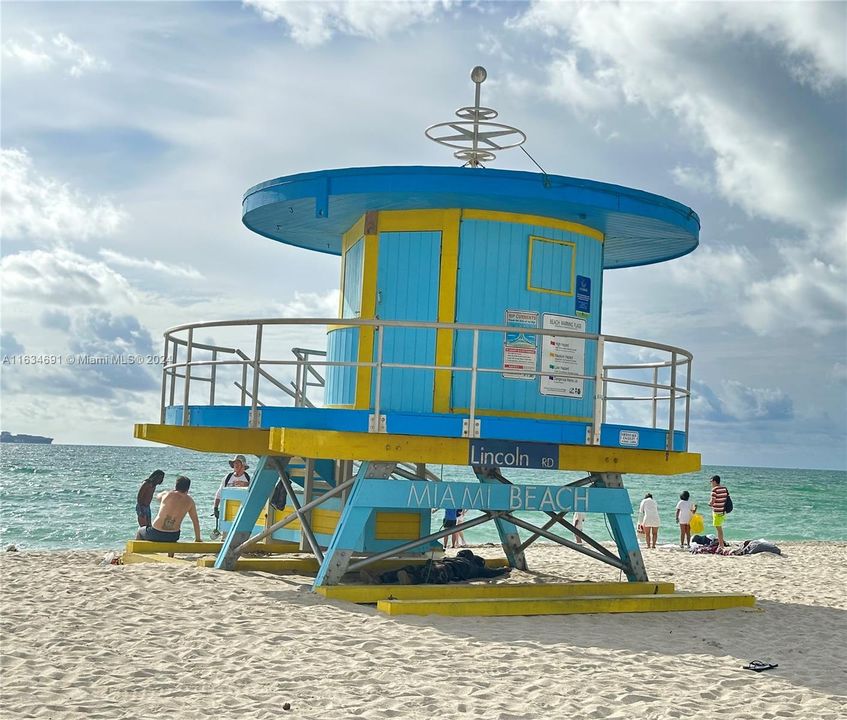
column 7, row 437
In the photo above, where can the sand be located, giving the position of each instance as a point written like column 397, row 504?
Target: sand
column 81, row 640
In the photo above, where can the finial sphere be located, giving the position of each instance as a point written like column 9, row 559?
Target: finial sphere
column 478, row 74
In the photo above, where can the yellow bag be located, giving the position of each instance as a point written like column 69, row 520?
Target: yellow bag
column 696, row 524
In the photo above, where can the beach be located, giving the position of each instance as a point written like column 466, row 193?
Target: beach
column 80, row 639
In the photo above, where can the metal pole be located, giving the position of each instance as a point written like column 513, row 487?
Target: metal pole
column 687, row 400
column 308, row 492
column 474, row 361
column 254, row 420
column 187, row 389
column 614, row 562
column 672, row 408
column 173, row 375
column 655, row 393
column 599, row 388
column 400, row 549
column 298, row 402
column 304, row 523
column 164, row 381
column 213, row 378
column 292, row 517
column 380, row 336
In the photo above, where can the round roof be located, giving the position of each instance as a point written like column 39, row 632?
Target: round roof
column 313, row 210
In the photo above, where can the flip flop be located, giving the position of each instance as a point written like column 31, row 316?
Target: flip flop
column 759, row 666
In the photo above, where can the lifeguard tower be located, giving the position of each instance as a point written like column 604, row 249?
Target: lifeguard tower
column 469, row 333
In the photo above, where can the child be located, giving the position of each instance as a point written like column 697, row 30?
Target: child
column 145, row 497
column 684, row 510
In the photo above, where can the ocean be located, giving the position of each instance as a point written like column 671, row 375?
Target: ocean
column 83, row 496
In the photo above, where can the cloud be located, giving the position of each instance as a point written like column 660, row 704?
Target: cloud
column 61, row 51
column 61, row 277
column 314, row 23
column 693, row 178
column 761, row 88
column 110, row 357
column 55, row 320
column 9, row 345
column 704, row 62
column 736, row 402
column 39, row 208
column 180, row 271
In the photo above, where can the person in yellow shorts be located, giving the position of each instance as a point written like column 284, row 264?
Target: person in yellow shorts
column 718, row 502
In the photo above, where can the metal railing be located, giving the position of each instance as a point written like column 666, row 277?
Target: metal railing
column 658, row 391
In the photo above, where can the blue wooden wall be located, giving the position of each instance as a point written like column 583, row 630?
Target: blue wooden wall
column 493, row 263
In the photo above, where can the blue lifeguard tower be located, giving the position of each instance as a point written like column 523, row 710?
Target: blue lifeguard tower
column 469, row 333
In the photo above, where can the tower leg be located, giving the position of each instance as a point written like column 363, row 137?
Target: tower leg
column 349, row 532
column 509, row 537
column 623, row 532
column 261, row 487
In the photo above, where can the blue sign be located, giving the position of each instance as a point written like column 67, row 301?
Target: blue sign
column 583, row 294
column 509, row 453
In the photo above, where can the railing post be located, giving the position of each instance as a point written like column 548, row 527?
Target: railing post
column 173, row 374
column 256, row 359
column 655, row 395
column 213, row 377
column 378, row 383
column 298, row 397
column 599, row 392
column 164, row 381
column 672, row 408
column 474, row 363
column 243, row 383
column 687, row 400
column 188, row 352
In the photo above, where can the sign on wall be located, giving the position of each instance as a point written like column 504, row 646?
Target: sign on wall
column 583, row 294
column 515, row 454
column 520, row 348
column 563, row 354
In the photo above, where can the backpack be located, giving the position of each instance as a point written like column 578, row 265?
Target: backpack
column 727, row 508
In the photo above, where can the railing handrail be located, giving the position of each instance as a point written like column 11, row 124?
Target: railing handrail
column 307, row 360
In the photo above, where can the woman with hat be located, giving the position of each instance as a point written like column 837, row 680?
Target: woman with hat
column 237, row 478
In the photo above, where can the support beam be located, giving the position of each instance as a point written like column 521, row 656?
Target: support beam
column 623, row 532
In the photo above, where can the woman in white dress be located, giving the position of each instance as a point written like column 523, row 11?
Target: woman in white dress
column 648, row 513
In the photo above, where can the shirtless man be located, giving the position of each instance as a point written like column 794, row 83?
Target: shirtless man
column 175, row 505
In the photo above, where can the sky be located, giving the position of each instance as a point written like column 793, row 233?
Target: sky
column 130, row 132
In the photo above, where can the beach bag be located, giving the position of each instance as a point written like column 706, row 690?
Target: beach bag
column 697, row 523
column 727, row 508
column 279, row 496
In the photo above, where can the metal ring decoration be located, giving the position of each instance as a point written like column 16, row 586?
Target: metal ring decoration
column 473, row 134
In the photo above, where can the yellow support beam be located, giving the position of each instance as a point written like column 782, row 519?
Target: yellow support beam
column 309, row 565
column 676, row 602
column 146, row 547
column 374, row 593
column 131, row 558
column 454, row 451
column 250, row 441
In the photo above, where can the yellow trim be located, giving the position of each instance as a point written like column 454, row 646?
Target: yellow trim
column 520, row 414
column 129, row 558
column 141, row 547
column 414, row 220
column 368, row 311
column 455, row 451
column 250, row 441
column 530, row 286
column 374, row 593
column 567, row 606
column 349, row 238
column 447, row 287
column 533, row 220
column 309, row 564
